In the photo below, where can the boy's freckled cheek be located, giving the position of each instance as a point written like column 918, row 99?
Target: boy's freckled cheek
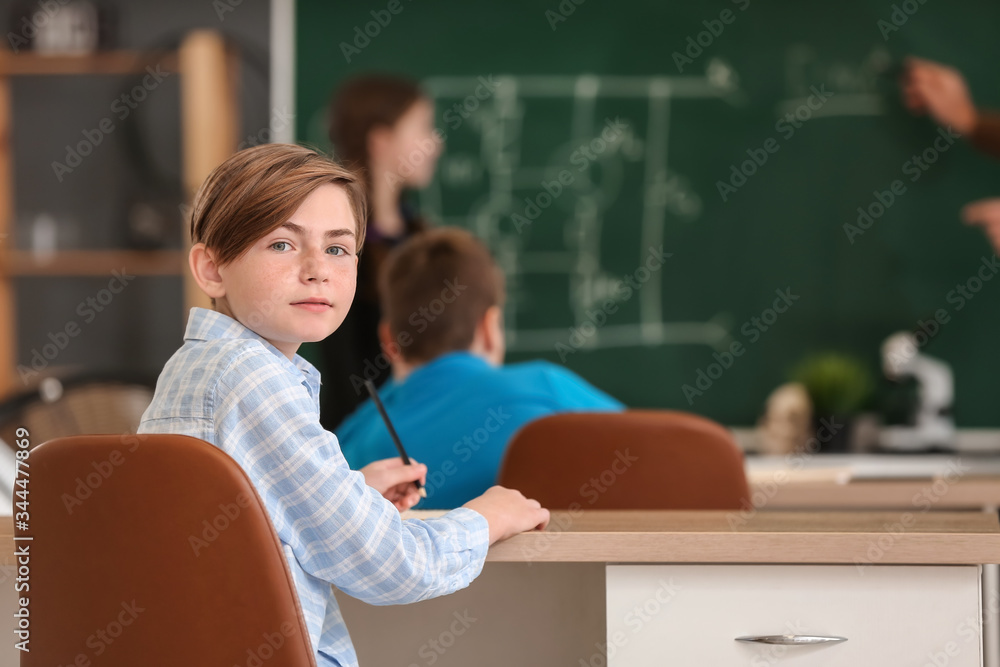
column 347, row 283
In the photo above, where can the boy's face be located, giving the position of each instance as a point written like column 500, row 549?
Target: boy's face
column 297, row 283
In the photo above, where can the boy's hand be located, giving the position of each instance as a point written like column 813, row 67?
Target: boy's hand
column 509, row 512
column 938, row 90
column 986, row 213
column 394, row 480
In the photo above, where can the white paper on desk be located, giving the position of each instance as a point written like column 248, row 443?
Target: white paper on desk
column 802, row 476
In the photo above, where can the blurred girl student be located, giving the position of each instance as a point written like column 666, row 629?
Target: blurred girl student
column 383, row 126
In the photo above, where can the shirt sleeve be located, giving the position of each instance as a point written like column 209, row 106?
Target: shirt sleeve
column 340, row 530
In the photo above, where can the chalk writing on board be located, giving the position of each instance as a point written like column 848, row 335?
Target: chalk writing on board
column 512, row 189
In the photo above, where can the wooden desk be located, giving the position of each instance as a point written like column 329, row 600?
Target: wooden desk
column 915, row 484
column 874, row 482
column 767, row 537
column 915, row 495
column 556, row 597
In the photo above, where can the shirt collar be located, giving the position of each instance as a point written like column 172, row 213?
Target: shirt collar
column 204, row 324
column 461, row 358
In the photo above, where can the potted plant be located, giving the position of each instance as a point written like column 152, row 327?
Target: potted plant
column 839, row 385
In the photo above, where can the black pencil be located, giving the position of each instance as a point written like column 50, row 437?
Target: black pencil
column 392, row 432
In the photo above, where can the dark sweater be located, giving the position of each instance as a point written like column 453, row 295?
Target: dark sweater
column 351, row 354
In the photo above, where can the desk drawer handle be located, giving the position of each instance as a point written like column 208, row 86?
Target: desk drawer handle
column 791, row 640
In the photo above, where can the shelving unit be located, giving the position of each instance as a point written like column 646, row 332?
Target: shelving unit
column 209, row 120
column 111, row 62
column 92, row 263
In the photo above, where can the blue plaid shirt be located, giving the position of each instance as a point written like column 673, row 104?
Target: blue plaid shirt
column 230, row 387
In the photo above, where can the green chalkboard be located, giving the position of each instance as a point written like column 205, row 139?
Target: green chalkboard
column 740, row 136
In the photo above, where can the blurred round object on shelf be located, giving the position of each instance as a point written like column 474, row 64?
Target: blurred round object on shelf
column 152, row 223
column 77, row 27
column 50, row 389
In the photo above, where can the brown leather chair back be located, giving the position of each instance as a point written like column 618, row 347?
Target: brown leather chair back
column 629, row 460
column 154, row 550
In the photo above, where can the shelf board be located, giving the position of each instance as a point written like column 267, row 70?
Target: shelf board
column 94, row 263
column 108, row 62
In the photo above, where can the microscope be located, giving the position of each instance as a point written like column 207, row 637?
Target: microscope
column 932, row 424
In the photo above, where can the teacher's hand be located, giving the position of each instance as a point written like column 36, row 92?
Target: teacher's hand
column 986, row 213
column 938, row 90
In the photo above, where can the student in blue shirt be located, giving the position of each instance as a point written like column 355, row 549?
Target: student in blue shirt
column 276, row 231
column 453, row 403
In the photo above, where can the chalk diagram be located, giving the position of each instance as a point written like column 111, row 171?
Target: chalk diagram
column 489, row 180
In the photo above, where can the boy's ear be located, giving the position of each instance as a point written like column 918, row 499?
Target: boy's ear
column 494, row 339
column 206, row 271
column 389, row 346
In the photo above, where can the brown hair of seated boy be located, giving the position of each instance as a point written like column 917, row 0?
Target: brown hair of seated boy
column 442, row 292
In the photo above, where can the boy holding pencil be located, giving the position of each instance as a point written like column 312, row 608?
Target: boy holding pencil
column 277, row 230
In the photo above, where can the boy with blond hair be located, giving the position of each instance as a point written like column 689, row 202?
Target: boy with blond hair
column 277, row 230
